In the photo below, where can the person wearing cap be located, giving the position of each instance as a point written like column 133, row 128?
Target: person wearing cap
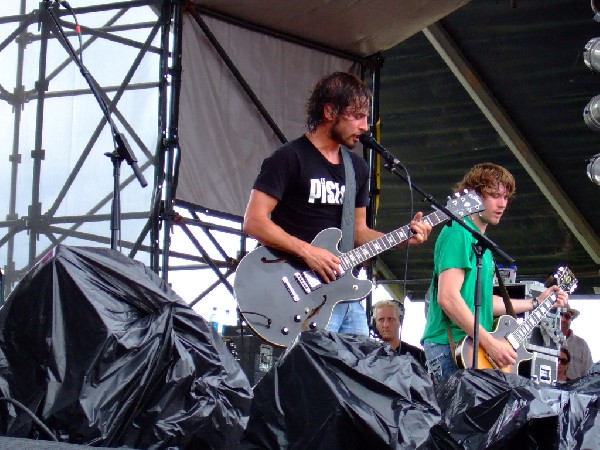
column 581, row 356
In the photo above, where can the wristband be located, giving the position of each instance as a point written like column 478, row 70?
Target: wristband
column 535, row 303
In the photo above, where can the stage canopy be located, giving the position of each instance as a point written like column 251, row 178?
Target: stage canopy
column 280, row 49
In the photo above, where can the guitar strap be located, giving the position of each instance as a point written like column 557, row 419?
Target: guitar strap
column 507, row 303
column 349, row 204
column 451, row 341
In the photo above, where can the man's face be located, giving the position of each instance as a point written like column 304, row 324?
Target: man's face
column 565, row 321
column 387, row 323
column 495, row 203
column 563, row 364
column 347, row 127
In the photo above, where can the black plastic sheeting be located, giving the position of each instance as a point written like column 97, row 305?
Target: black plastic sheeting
column 331, row 391
column 106, row 354
column 489, row 409
column 334, row 391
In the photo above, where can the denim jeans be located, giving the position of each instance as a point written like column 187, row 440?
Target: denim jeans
column 348, row 318
column 440, row 361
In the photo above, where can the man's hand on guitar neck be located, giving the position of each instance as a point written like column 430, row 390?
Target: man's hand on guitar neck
column 562, row 298
column 499, row 351
column 421, row 230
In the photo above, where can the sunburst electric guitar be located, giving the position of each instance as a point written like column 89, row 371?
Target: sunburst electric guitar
column 510, row 333
column 279, row 296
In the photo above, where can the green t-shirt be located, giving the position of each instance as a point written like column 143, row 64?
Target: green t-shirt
column 454, row 249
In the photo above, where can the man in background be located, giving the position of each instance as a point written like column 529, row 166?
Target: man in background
column 563, row 365
column 581, row 356
column 388, row 315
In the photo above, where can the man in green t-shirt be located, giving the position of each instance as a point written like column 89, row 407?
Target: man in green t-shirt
column 453, row 284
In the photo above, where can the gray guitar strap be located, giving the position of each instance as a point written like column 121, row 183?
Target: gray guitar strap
column 349, row 204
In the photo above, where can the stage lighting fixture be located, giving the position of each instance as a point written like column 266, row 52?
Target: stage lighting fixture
column 591, row 113
column 591, row 54
column 593, row 169
column 595, row 4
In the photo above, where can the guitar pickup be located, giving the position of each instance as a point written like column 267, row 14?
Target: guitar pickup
column 313, row 280
column 302, row 282
column 290, row 289
column 512, row 341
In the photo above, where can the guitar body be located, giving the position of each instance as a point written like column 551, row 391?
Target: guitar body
column 504, row 326
column 279, row 296
column 273, row 299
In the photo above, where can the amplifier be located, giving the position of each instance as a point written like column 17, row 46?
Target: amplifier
column 543, row 368
column 255, row 357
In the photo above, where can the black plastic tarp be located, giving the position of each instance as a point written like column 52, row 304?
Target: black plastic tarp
column 106, row 354
column 490, row 409
column 334, row 391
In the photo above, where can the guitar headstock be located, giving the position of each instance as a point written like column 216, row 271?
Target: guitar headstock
column 463, row 205
column 566, row 279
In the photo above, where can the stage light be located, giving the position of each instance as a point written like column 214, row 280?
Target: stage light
column 593, row 169
column 591, row 54
column 591, row 113
column 595, row 4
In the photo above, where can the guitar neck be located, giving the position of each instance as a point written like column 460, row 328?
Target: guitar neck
column 523, row 330
column 373, row 248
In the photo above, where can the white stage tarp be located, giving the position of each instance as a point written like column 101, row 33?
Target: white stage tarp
column 222, row 136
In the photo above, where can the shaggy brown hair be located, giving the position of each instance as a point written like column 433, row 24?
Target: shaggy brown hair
column 345, row 92
column 486, row 178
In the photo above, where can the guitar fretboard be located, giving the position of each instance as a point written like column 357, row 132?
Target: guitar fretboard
column 376, row 246
column 567, row 282
column 523, row 330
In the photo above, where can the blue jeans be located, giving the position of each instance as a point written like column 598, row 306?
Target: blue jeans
column 348, row 318
column 440, row 361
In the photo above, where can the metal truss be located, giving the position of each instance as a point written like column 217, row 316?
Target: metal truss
column 223, row 265
column 33, row 229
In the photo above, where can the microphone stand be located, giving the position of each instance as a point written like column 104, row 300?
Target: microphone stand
column 122, row 150
column 483, row 242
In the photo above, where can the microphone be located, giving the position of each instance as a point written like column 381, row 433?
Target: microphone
column 369, row 141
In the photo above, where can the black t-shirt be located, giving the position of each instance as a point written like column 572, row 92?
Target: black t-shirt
column 309, row 188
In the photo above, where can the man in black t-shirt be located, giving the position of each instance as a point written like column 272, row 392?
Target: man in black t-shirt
column 300, row 188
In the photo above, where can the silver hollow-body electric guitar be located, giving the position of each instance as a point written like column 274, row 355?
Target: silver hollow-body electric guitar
column 279, row 296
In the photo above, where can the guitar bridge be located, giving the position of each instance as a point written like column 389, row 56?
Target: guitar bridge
column 492, row 362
